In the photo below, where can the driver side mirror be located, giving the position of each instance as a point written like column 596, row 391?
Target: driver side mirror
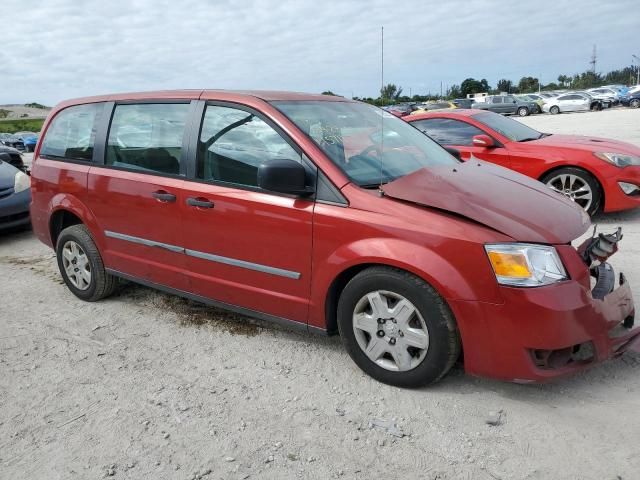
column 283, row 176
column 483, row 141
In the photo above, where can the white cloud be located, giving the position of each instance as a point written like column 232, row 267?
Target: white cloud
column 56, row 49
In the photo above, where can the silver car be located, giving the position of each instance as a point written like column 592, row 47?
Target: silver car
column 568, row 102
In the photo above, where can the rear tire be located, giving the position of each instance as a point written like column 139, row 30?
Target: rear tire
column 75, row 242
column 554, row 110
column 523, row 111
column 430, row 321
column 635, row 103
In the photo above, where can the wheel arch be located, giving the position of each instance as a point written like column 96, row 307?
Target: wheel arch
column 555, row 168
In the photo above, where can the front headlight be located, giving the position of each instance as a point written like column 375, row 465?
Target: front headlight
column 525, row 265
column 618, row 159
column 21, row 182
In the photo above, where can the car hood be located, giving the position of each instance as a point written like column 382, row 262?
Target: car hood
column 7, row 175
column 501, row 199
column 591, row 144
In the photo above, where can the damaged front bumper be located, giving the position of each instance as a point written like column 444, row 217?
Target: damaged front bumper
column 538, row 334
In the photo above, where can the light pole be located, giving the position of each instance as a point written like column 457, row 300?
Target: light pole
column 637, row 69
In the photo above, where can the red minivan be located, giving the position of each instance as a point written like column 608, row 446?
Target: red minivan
column 333, row 216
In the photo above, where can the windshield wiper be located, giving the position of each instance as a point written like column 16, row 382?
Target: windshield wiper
column 528, row 139
column 371, row 185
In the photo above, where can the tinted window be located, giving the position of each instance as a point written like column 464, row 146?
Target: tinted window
column 496, row 100
column 233, row 143
column 72, row 133
column 147, row 137
column 509, row 99
column 512, row 129
column 447, row 131
column 565, row 97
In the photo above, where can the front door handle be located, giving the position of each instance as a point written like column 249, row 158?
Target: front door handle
column 164, row 196
column 199, row 202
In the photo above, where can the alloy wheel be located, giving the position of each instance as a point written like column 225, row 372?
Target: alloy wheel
column 573, row 187
column 390, row 331
column 76, row 265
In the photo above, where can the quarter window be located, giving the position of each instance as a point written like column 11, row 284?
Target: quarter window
column 448, row 132
column 234, row 142
column 72, row 132
column 147, row 137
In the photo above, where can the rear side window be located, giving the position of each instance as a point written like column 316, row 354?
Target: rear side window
column 147, row 137
column 446, row 131
column 72, row 132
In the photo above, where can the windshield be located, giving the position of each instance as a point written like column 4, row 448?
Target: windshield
column 368, row 144
column 512, row 129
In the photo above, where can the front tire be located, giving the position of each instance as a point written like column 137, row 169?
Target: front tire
column 397, row 328
column 635, row 103
column 554, row 110
column 81, row 265
column 578, row 185
column 523, row 111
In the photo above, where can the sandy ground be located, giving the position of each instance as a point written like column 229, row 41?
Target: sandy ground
column 148, row 386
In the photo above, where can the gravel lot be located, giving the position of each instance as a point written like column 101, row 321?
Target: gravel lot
column 146, row 385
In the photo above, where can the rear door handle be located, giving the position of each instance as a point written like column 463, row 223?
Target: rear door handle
column 164, row 196
column 199, row 202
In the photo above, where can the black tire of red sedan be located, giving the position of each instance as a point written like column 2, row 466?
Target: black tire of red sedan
column 523, row 111
column 397, row 328
column 578, row 185
column 81, row 265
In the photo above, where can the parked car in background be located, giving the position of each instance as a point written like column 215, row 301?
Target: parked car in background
column 30, row 142
column 607, row 94
column 13, row 156
column 399, row 110
column 350, row 221
column 532, row 98
column 605, row 98
column 14, row 141
column 15, row 194
column 463, row 102
column 5, row 137
column 507, row 105
column 633, row 90
column 427, row 107
column 596, row 173
column 632, row 100
column 570, row 102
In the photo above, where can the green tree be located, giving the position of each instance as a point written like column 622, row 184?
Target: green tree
column 504, row 85
column 528, row 84
column 329, row 92
column 390, row 93
column 471, row 85
column 563, row 79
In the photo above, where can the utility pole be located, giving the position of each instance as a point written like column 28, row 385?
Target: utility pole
column 382, row 65
column 637, row 69
column 593, row 60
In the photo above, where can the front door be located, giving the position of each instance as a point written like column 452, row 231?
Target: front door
column 459, row 135
column 245, row 246
column 136, row 193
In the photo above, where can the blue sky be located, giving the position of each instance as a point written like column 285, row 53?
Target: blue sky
column 57, row 49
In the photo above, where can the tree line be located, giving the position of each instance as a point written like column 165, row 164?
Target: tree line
column 392, row 93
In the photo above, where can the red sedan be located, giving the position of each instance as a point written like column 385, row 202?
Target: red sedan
column 596, row 173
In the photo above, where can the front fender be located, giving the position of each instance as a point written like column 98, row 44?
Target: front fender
column 458, row 270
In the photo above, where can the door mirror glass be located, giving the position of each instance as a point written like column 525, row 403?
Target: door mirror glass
column 283, row 176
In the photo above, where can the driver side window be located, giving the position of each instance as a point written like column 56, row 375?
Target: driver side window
column 72, row 132
column 233, row 143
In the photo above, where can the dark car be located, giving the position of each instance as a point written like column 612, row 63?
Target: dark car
column 631, row 100
column 463, row 102
column 12, row 156
column 15, row 195
column 507, row 104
